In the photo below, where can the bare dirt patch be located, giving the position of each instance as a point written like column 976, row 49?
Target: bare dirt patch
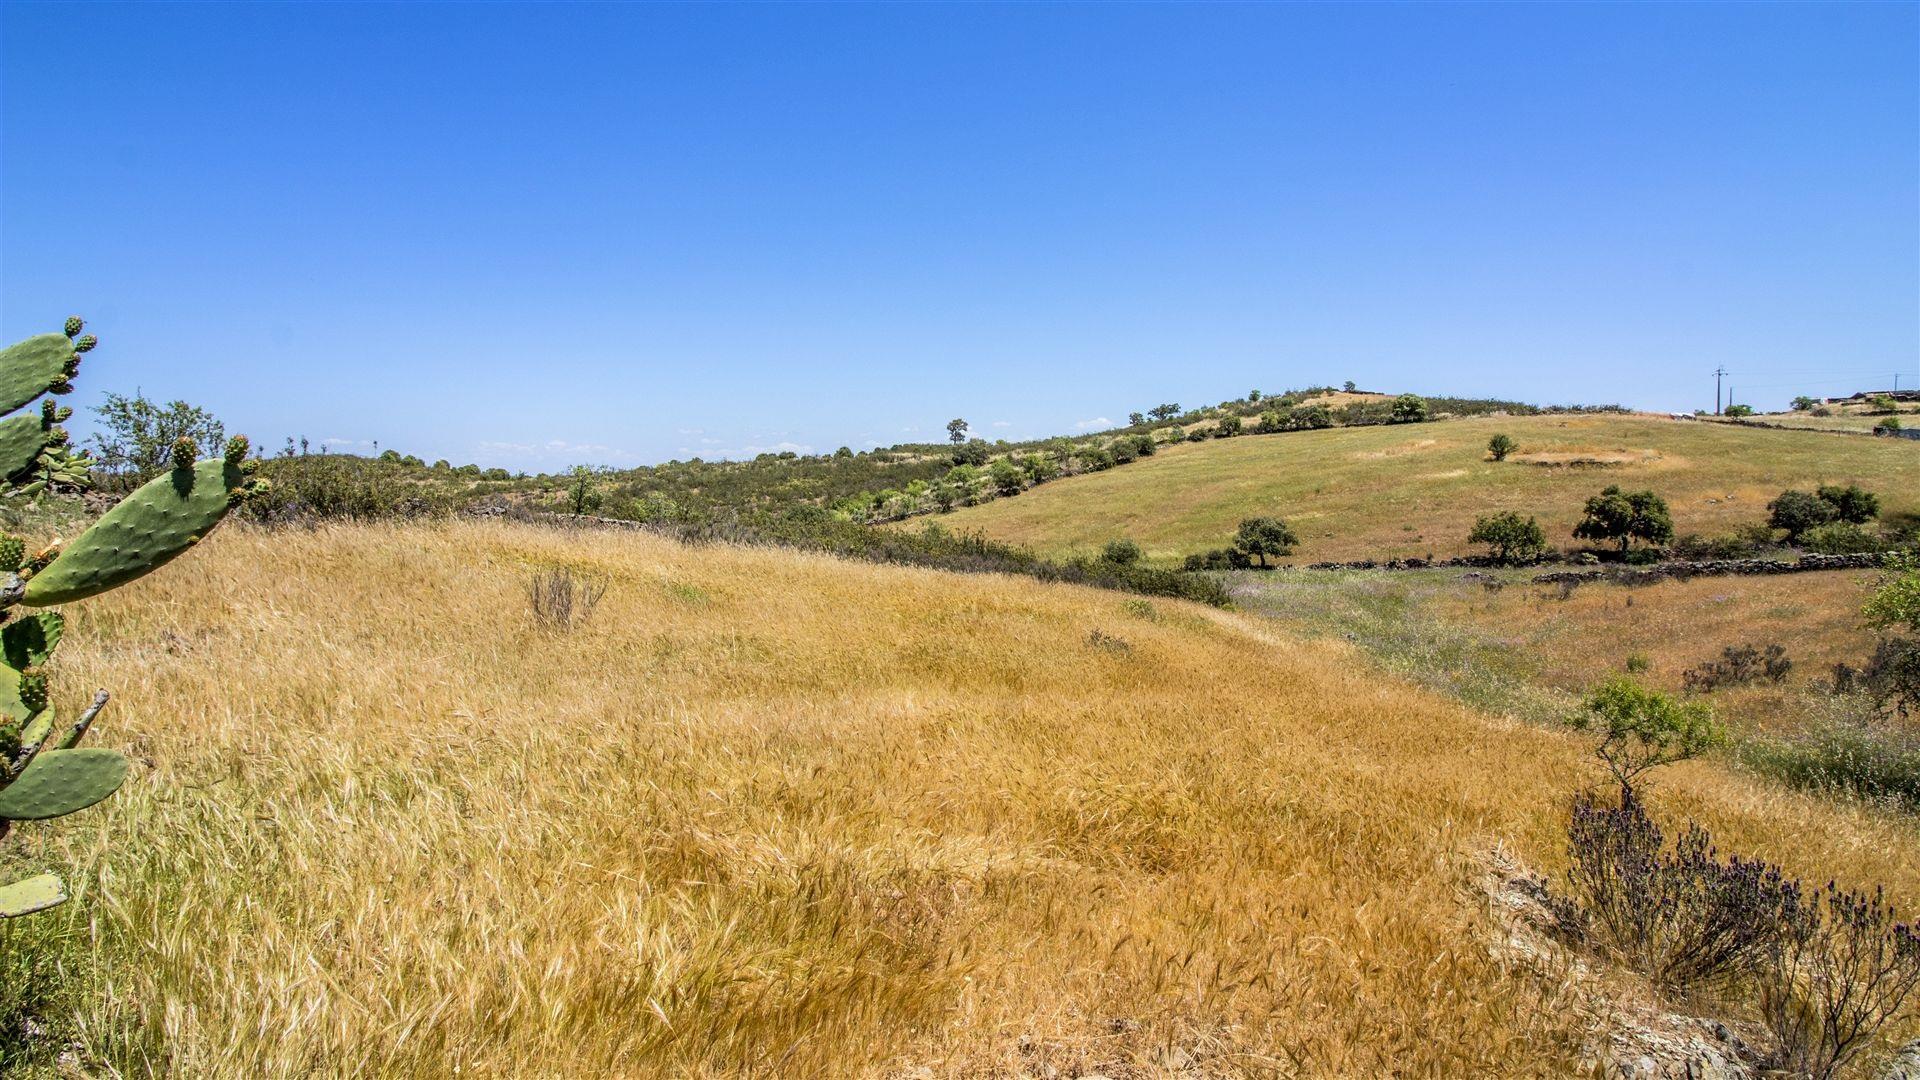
column 1580, row 458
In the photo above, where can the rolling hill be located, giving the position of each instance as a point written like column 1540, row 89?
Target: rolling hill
column 1414, row 490
column 387, row 825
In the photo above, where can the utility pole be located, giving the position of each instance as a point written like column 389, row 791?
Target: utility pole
column 1717, row 372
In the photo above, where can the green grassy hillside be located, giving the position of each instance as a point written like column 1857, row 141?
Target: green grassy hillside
column 1414, row 490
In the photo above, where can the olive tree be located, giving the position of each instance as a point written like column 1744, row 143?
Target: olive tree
column 1263, row 536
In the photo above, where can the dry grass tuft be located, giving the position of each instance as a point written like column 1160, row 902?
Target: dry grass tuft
column 831, row 819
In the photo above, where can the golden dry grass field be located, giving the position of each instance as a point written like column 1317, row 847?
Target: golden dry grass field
column 776, row 814
column 1414, row 490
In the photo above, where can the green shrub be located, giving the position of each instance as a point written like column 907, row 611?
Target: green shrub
column 1614, row 515
column 1798, row 512
column 1739, row 410
column 1510, row 538
column 1840, row 538
column 1500, row 446
column 1850, row 503
column 1197, row 435
column 1227, row 428
column 1738, row 665
column 1746, row 542
column 1409, row 409
column 1121, row 552
column 1007, row 478
column 1641, row 729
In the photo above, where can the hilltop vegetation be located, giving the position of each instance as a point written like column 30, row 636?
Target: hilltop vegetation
column 384, row 823
column 1417, row 490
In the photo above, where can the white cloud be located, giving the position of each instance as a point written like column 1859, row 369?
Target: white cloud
column 555, row 450
column 1002, row 423
column 1093, row 424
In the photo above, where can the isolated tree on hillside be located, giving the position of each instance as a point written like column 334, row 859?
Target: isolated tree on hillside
column 1512, row 538
column 1615, row 515
column 1163, row 412
column 583, row 482
column 1227, row 428
column 1803, row 403
column 1500, row 446
column 1347, row 386
column 1409, row 409
column 1253, row 396
column 1798, row 511
column 956, row 431
column 1643, row 729
column 137, row 444
column 1263, row 536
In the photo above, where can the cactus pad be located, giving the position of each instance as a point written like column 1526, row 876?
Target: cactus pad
column 21, row 440
column 168, row 515
column 11, row 708
column 29, row 641
column 60, row 782
column 32, row 368
column 37, row 893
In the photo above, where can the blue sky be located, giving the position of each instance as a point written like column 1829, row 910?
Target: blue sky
column 533, row 235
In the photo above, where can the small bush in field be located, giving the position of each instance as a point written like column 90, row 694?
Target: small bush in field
column 1840, row 538
column 563, row 599
column 1841, row 966
column 1197, row 435
column 1745, row 542
column 1409, row 409
column 1739, row 665
column 1121, row 552
column 1500, row 446
column 1637, row 664
column 1227, row 428
column 1682, row 917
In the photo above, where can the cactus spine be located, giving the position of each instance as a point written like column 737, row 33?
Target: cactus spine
column 44, row 773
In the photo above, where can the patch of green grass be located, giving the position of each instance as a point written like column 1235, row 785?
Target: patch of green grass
column 1386, row 614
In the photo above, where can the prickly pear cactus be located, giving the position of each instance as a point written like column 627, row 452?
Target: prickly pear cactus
column 43, row 771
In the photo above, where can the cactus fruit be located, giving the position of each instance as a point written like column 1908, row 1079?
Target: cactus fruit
column 61, row 782
column 165, row 517
column 33, row 691
column 36, row 893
